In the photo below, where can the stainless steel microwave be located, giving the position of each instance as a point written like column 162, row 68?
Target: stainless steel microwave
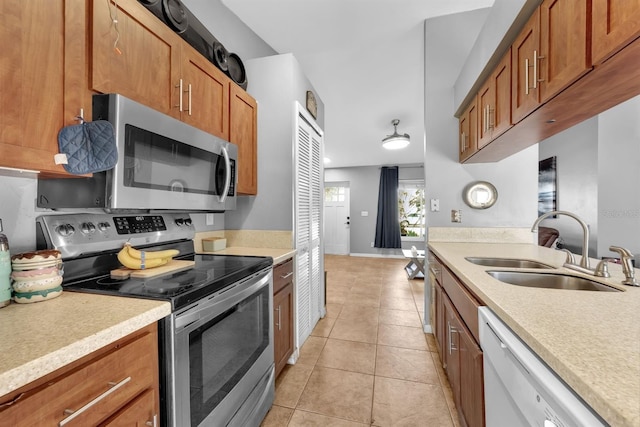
column 163, row 163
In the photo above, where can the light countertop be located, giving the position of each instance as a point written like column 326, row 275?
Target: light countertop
column 590, row 339
column 278, row 255
column 42, row 337
column 275, row 244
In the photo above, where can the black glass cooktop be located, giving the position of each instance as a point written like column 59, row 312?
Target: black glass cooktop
column 211, row 273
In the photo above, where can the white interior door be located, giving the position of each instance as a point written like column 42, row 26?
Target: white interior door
column 337, row 219
column 309, row 289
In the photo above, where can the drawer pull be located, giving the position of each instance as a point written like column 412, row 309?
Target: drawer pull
column 73, row 414
column 286, row 276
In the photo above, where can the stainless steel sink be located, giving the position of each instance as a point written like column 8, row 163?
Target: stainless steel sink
column 507, row 262
column 550, row 280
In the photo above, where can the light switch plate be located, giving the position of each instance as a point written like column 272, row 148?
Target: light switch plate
column 364, row 213
column 209, row 219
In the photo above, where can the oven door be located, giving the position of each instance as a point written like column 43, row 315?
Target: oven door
column 223, row 356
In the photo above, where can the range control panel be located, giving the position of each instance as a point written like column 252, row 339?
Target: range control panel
column 76, row 234
column 139, row 224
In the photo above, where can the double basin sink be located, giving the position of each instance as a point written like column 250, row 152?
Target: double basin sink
column 549, row 280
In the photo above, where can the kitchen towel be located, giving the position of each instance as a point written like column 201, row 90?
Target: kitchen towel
column 89, row 147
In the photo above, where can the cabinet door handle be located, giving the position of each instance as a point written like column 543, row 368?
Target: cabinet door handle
column 526, row 76
column 486, row 117
column 286, row 276
column 73, row 414
column 451, row 330
column 535, row 69
column 279, row 322
column 179, row 86
column 189, row 97
column 153, row 422
column 536, row 58
column 463, row 144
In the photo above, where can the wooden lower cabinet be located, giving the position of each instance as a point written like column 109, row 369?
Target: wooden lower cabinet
column 282, row 313
column 440, row 322
column 116, row 386
column 460, row 354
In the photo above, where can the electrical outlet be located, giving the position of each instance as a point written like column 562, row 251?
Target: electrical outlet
column 456, row 215
column 435, row 205
column 209, row 219
column 371, row 244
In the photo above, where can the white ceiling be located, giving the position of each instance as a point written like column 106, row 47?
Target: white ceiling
column 365, row 59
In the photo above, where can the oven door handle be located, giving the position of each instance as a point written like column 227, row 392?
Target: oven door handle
column 224, row 301
column 227, row 178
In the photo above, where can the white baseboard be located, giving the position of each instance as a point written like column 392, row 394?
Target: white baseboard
column 377, row 255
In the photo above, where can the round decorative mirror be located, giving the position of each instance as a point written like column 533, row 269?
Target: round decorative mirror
column 480, row 195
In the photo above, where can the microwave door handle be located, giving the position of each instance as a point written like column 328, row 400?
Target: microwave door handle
column 227, row 180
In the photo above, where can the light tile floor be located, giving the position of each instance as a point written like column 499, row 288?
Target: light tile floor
column 368, row 362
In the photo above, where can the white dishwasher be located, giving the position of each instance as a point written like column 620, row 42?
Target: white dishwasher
column 519, row 389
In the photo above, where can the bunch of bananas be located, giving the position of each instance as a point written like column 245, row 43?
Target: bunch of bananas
column 132, row 258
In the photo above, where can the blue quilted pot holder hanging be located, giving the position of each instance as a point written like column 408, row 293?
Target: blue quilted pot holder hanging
column 90, row 147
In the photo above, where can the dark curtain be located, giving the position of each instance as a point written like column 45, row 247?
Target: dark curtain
column 387, row 225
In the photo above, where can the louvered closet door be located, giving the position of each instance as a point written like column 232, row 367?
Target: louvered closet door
column 308, row 226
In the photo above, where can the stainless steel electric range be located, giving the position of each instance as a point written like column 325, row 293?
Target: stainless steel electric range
column 216, row 348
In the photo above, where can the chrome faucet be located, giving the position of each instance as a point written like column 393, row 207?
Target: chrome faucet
column 627, row 266
column 601, row 269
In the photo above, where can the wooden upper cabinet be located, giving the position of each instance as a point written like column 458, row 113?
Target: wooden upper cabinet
column 494, row 103
column 550, row 53
column 205, row 94
column 524, row 51
column 468, row 136
column 33, row 92
column 564, row 53
column 486, row 103
column 500, row 117
column 144, row 65
column 153, row 65
column 615, row 24
column 243, row 131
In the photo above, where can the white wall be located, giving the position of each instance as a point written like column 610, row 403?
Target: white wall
column 515, row 178
column 277, row 82
column 503, row 21
column 576, row 151
column 619, row 178
column 228, row 29
column 364, row 185
column 17, row 211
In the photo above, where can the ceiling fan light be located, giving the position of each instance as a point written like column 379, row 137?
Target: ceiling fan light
column 396, row 141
